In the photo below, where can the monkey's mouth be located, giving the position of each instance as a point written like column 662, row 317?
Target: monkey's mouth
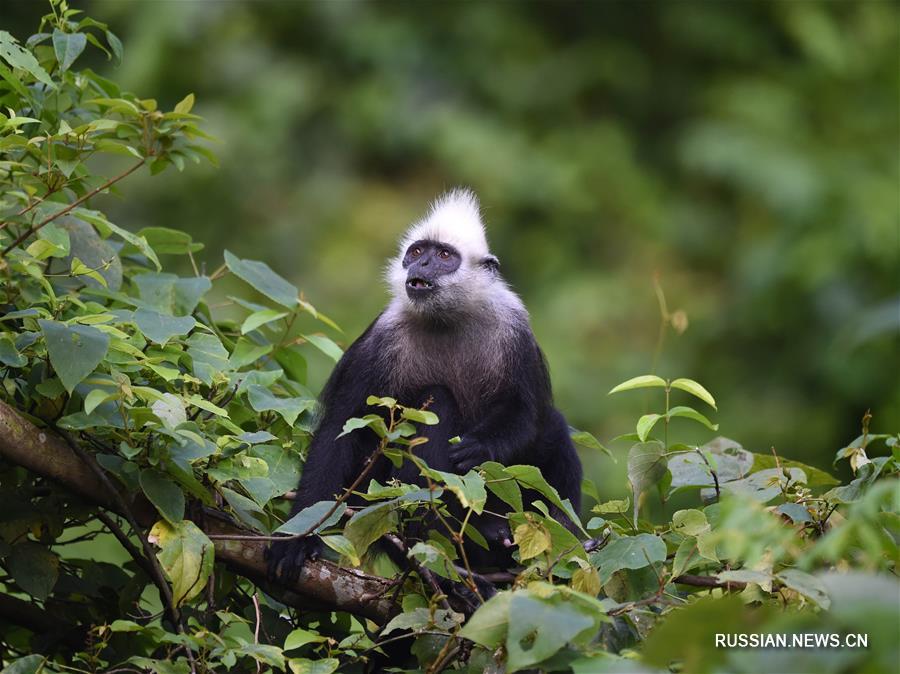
column 417, row 287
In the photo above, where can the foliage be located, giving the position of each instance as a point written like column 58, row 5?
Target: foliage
column 205, row 409
column 744, row 151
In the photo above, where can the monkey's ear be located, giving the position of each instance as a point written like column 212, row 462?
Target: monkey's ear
column 490, row 262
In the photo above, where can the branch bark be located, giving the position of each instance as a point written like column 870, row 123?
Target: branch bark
column 321, row 585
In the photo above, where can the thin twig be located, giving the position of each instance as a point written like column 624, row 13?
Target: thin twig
column 50, row 218
column 33, row 204
column 256, row 629
column 157, row 575
column 712, row 472
column 126, row 543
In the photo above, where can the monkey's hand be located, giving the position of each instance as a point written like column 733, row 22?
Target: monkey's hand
column 286, row 558
column 468, row 453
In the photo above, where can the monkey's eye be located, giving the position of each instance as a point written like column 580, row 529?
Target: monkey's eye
column 416, row 252
column 444, row 254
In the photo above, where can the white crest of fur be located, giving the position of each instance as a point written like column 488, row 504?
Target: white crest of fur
column 453, row 218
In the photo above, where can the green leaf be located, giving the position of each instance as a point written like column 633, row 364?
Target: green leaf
column 468, row 488
column 502, row 485
column 691, row 413
column 246, row 352
column 679, row 636
column 807, row 585
column 17, row 57
column 169, row 241
column 246, row 509
column 68, row 47
column 764, row 485
column 645, row 424
column 417, row 619
column 420, row 416
column 160, row 328
column 815, row 477
column 646, row 467
column 208, row 356
column 695, row 389
column 686, row 557
column 106, row 228
column 761, row 578
column 293, row 362
column 342, row 545
column 9, row 354
column 303, row 521
column 95, row 398
column 796, row 512
column 629, row 552
column 644, row 381
column 259, row 318
column 320, row 666
column 369, row 421
column 690, row 522
column 262, row 400
column 726, row 457
column 170, row 410
column 74, row 350
column 186, row 557
column 532, row 540
column 370, row 524
column 261, row 277
column 585, row 439
column 488, row 625
column 300, row 637
column 34, row 568
column 587, row 581
column 530, row 477
column 185, row 104
column 164, row 494
column 30, row 664
column 541, row 628
column 325, row 345
column 170, row 294
column 41, row 250
column 615, row 506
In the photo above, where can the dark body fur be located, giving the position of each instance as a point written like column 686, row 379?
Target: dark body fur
column 488, row 383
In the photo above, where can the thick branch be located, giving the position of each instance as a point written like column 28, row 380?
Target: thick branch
column 20, row 612
column 321, row 584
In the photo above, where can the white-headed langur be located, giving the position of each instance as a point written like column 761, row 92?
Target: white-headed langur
column 453, row 334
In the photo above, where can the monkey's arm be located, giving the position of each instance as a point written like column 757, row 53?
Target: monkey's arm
column 511, row 420
column 332, row 463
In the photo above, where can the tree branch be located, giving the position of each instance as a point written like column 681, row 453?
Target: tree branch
column 321, row 584
column 709, row 581
column 20, row 612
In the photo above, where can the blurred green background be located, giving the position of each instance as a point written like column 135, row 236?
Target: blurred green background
column 746, row 152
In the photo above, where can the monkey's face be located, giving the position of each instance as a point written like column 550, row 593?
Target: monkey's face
column 430, row 268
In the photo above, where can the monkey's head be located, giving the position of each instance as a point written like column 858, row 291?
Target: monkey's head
column 444, row 267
